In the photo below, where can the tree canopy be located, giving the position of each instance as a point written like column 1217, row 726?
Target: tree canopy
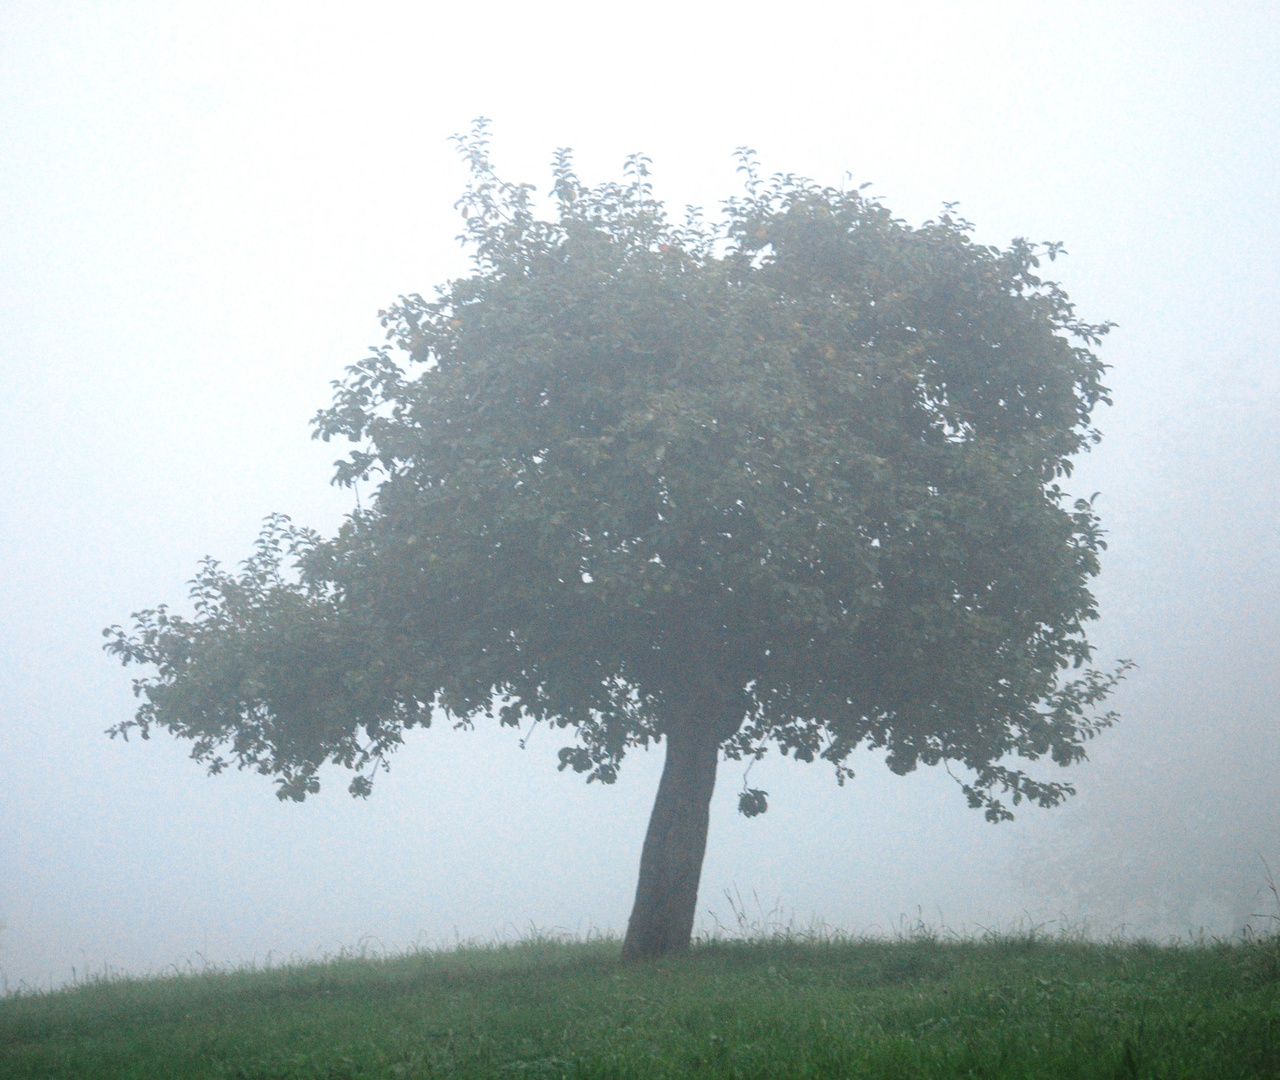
column 792, row 480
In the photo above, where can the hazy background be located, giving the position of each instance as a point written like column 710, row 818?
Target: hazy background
column 202, row 207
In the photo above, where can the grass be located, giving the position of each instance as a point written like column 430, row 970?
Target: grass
column 921, row 1007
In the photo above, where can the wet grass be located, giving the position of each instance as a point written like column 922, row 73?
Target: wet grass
column 1010, row 1007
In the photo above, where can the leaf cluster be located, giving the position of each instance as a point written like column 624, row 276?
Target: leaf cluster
column 797, row 477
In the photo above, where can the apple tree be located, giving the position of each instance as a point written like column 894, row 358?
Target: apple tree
column 792, row 481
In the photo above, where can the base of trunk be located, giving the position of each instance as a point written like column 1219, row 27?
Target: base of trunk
column 671, row 862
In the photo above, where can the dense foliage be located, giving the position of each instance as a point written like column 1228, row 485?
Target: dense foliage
column 803, row 469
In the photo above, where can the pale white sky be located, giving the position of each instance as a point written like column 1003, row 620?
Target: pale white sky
column 202, row 207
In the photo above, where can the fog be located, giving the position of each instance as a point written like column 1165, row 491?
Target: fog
column 202, row 208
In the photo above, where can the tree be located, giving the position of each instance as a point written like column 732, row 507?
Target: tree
column 789, row 482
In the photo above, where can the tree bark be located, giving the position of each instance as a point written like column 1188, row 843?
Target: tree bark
column 671, row 861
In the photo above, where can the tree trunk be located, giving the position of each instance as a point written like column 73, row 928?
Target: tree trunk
column 671, row 862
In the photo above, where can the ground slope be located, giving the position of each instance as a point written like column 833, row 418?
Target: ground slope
column 917, row 1008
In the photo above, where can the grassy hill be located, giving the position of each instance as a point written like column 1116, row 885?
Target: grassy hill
column 1015, row 1007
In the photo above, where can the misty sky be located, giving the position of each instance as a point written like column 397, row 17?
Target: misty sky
column 202, row 208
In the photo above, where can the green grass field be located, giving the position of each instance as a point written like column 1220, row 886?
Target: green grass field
column 1013, row 1007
